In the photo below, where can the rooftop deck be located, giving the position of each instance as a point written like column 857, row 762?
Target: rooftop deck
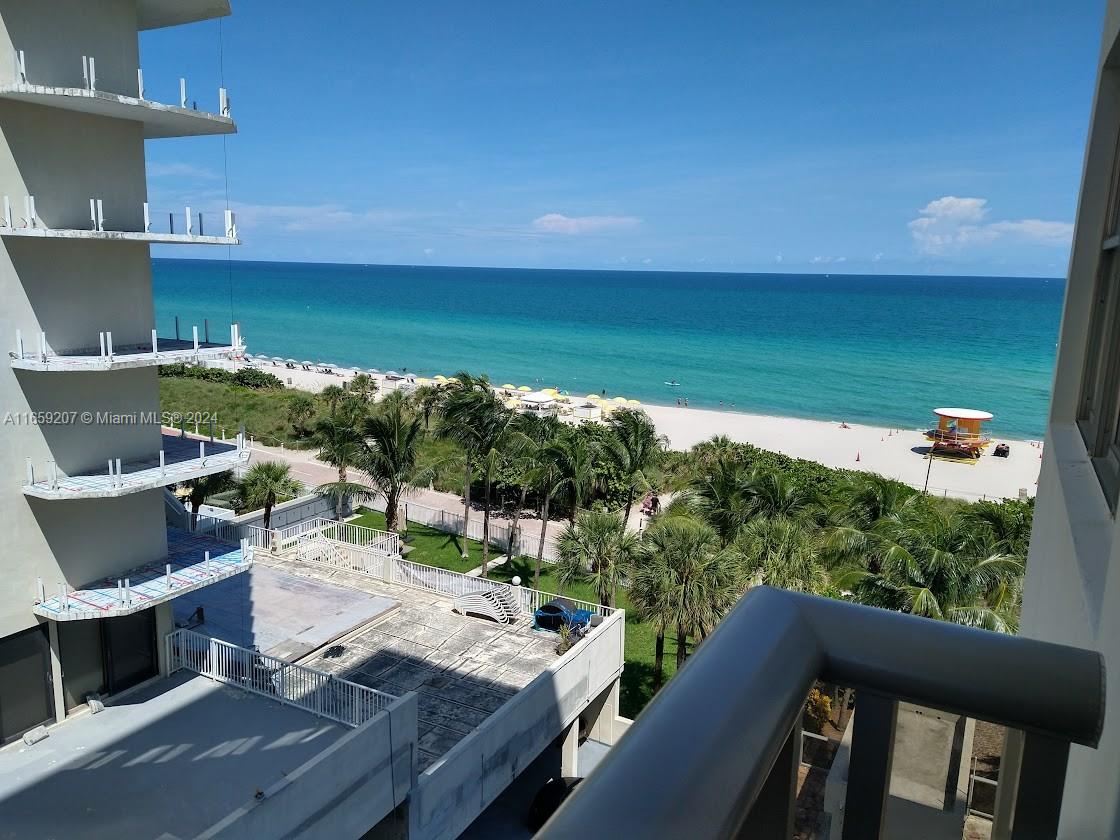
column 180, row 459
column 195, row 561
column 463, row 668
column 175, row 757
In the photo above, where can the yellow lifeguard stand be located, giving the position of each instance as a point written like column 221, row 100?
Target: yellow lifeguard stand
column 959, row 433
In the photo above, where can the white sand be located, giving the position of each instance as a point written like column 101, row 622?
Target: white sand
column 881, row 450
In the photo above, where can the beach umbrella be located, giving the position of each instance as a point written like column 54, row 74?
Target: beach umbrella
column 309, row 364
column 291, row 361
column 632, row 402
column 620, row 400
column 373, row 370
column 439, row 377
column 524, row 388
column 552, row 392
column 277, row 359
column 509, row 387
column 391, row 373
column 592, row 397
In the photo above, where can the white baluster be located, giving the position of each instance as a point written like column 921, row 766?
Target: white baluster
column 32, row 213
column 190, row 222
column 139, row 83
column 19, row 344
column 147, row 218
column 7, row 212
column 182, row 93
column 194, row 331
column 109, row 343
column 155, row 343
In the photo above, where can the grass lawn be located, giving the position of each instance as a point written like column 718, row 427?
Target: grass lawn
column 264, row 413
column 637, row 678
column 429, row 546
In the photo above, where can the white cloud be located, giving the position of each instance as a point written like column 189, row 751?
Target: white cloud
column 180, row 170
column 877, row 257
column 559, row 223
column 778, row 258
column 951, row 224
column 818, row 260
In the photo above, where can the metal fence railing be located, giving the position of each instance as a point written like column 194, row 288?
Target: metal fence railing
column 981, row 793
column 305, row 688
column 533, row 599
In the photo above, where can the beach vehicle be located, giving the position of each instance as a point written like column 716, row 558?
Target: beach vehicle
column 959, row 434
column 558, row 613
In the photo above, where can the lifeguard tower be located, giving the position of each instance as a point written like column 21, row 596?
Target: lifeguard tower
column 959, row 433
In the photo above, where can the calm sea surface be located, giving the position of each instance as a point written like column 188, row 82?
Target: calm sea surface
column 880, row 349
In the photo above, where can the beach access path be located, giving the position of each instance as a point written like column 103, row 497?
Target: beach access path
column 894, row 453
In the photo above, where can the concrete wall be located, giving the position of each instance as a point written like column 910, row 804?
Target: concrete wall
column 457, row 788
column 105, row 29
column 342, row 792
column 72, row 289
column 1073, row 579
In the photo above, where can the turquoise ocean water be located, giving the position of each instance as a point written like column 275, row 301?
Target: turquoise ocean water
column 881, row 349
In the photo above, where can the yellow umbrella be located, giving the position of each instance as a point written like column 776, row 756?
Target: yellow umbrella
column 423, row 380
column 508, row 387
column 524, row 388
column 632, row 402
column 439, row 377
column 620, row 400
column 592, row 397
column 606, row 407
column 552, row 392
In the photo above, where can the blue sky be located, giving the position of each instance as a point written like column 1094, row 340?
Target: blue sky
column 857, row 137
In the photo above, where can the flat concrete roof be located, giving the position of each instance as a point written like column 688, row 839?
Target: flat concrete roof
column 154, row 14
column 175, row 757
column 159, row 120
column 280, row 614
column 463, row 668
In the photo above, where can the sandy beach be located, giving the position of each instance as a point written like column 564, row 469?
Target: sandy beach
column 889, row 452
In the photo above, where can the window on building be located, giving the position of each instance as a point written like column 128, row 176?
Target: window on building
column 1098, row 414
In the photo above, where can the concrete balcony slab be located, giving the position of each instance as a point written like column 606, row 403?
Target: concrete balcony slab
column 182, row 459
column 159, row 119
column 168, row 351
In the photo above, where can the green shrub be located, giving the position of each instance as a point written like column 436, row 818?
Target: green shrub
column 247, row 378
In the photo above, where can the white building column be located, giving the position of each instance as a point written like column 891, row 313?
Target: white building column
column 165, row 623
column 603, row 718
column 56, row 673
column 569, row 750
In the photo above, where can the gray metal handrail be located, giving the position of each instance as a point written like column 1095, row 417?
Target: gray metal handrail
column 710, row 756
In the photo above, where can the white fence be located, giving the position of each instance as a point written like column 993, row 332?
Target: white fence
column 305, row 688
column 981, row 793
column 310, row 542
column 527, row 542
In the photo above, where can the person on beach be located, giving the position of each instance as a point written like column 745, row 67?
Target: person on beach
column 686, row 402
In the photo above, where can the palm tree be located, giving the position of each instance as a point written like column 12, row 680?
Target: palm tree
column 457, row 413
column 686, row 580
column 780, row 552
column 927, row 561
column 773, row 493
column 267, row 483
column 634, row 447
column 597, row 549
column 492, row 422
column 574, row 457
column 392, row 438
column 300, row 410
column 340, row 445
column 204, row 487
column 534, row 432
column 363, row 386
column 720, row 495
column 333, row 395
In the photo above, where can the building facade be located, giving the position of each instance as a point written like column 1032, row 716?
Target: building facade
column 83, row 462
column 1073, row 570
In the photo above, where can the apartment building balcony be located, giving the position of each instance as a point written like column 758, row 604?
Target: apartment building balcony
column 109, row 356
column 156, row 14
column 192, row 562
column 179, row 459
column 732, row 769
column 189, row 230
column 157, row 118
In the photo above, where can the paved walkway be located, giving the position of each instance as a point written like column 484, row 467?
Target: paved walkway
column 306, row 467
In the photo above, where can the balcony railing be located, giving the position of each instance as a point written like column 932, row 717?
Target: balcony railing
column 107, row 356
column 305, row 688
column 715, row 754
column 180, row 459
column 183, row 119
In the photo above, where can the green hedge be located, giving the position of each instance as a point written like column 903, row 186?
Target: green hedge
column 247, row 378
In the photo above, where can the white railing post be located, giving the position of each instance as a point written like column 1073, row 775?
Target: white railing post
column 32, row 213
column 100, row 215
column 231, row 225
column 109, row 343
column 147, row 218
column 162, row 463
column 30, row 478
column 19, row 344
column 92, row 74
column 223, row 102
column 194, row 332
column 190, row 222
column 139, row 83
column 7, row 212
column 155, row 343
column 201, row 450
column 182, row 93
column 85, row 72
column 120, row 476
column 21, row 68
